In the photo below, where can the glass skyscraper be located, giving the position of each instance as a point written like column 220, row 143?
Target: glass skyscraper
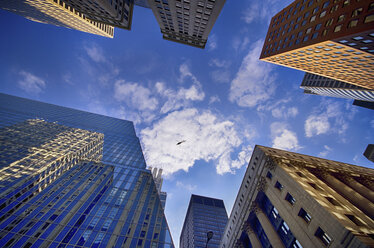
column 70, row 178
column 204, row 215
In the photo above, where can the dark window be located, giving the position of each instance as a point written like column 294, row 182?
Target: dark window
column 318, row 26
column 324, row 237
column 332, row 201
column 304, row 215
column 354, row 219
column 278, row 185
column 269, row 175
column 290, row 199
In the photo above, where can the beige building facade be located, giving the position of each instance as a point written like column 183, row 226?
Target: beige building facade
column 293, row 200
column 57, row 13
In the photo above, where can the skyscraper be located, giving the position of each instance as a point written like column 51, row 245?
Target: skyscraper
column 57, row 13
column 334, row 39
column 204, row 214
column 293, row 200
column 186, row 21
column 369, row 152
column 157, row 177
column 314, row 84
column 73, row 178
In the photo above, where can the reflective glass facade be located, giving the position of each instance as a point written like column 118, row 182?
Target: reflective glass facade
column 204, row 214
column 70, row 178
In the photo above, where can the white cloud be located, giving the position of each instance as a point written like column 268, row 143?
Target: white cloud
column 186, row 186
column 181, row 97
column 329, row 118
column 95, row 53
column 212, row 42
column 283, row 138
column 254, row 82
column 134, row 95
column 326, row 151
column 31, row 83
column 222, row 74
column 214, row 99
column 207, row 138
column 283, row 112
column 240, row 43
column 220, row 63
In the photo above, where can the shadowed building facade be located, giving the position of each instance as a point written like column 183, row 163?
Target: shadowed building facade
column 186, row 21
column 204, row 214
column 293, row 200
column 73, row 178
column 334, row 39
column 58, row 13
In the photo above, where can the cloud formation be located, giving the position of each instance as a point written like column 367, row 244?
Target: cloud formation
column 283, row 137
column 329, row 118
column 212, row 42
column 326, row 151
column 254, row 82
column 207, row 138
column 31, row 83
column 95, row 53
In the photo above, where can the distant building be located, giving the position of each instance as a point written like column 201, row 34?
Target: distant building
column 157, row 177
column 58, row 13
column 188, row 22
column 315, row 84
column 369, row 152
column 364, row 104
column 334, row 39
column 69, row 178
column 116, row 13
column 204, row 214
column 293, row 200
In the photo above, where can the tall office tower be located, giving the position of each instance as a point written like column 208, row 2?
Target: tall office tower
column 334, row 39
column 293, row 200
column 157, row 177
column 364, row 104
column 73, row 178
column 116, row 13
column 186, row 21
column 57, row 13
column 204, row 214
column 369, row 152
column 314, row 84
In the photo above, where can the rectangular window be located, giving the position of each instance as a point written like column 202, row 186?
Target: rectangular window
column 269, row 175
column 278, row 185
column 369, row 18
column 290, row 199
column 324, row 237
column 304, row 215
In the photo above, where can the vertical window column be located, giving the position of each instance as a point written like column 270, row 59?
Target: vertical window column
column 274, row 239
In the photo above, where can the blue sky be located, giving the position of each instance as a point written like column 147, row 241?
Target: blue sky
column 221, row 100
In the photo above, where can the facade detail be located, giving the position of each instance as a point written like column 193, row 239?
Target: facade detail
column 157, row 177
column 334, row 39
column 58, row 13
column 204, row 214
column 304, row 202
column 73, row 178
column 318, row 85
column 186, row 21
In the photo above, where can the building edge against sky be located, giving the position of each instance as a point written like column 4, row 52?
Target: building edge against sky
column 288, row 199
column 334, row 39
column 105, row 197
column 204, row 214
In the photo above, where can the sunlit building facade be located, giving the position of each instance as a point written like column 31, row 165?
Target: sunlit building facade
column 204, row 214
column 186, row 21
column 73, row 178
column 334, row 39
column 58, row 13
column 288, row 199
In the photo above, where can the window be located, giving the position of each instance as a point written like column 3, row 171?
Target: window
column 284, row 228
column 369, row 18
column 318, row 26
column 341, row 18
column 313, row 18
column 315, row 10
column 332, row 201
column 353, row 23
column 278, row 185
column 324, row 237
column 296, row 244
column 323, row 13
column 290, row 199
column 329, row 22
column 308, row 30
column 315, row 35
column 269, row 175
column 356, row 12
column 338, row 28
column 304, row 215
column 326, row 4
column 345, row 3
column 305, row 38
column 354, row 220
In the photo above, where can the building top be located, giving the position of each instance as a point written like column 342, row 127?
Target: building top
column 197, row 199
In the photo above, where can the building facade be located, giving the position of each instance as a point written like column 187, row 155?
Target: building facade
column 204, row 214
column 73, row 178
column 334, row 39
column 369, row 152
column 116, row 13
column 186, row 21
column 58, row 13
column 318, row 85
column 157, row 177
column 293, row 200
